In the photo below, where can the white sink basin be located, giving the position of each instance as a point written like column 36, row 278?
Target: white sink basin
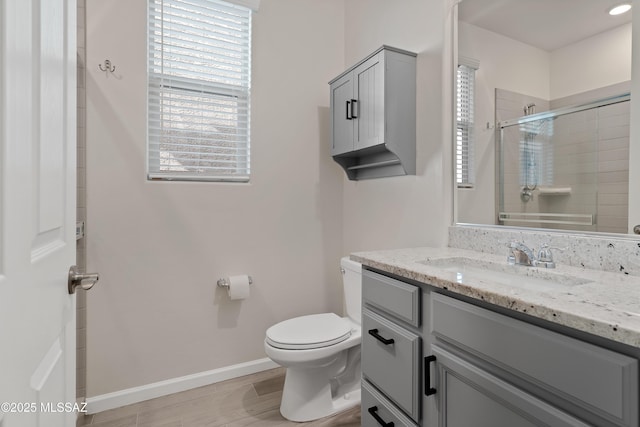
column 470, row 270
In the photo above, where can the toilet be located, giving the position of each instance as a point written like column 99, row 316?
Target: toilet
column 322, row 355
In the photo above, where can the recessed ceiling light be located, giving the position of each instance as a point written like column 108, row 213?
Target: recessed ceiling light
column 620, row 9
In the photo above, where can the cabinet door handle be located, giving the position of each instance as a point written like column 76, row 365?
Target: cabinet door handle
column 354, row 108
column 428, row 390
column 374, row 413
column 383, row 340
column 348, row 110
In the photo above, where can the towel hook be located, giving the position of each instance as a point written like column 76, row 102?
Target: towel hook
column 107, row 66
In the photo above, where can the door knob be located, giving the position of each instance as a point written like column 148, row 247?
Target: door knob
column 83, row 280
column 636, row 229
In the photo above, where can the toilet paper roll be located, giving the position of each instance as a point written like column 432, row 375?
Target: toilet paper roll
column 239, row 287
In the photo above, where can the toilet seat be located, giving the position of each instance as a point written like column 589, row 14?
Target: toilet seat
column 308, row 332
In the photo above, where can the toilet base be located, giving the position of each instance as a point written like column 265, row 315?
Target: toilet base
column 322, row 381
column 307, row 396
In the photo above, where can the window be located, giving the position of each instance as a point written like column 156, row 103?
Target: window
column 199, row 59
column 536, row 153
column 464, row 130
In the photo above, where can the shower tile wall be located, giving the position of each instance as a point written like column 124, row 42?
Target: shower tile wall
column 595, row 141
column 612, row 205
column 81, row 210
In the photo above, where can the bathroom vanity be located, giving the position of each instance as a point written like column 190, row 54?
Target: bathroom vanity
column 458, row 338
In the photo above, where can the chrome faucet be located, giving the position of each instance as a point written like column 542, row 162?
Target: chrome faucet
column 520, row 254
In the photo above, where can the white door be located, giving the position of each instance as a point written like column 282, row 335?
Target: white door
column 37, row 212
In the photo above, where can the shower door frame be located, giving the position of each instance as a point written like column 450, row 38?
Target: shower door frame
column 552, row 114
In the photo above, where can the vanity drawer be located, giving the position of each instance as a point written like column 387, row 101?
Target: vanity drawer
column 374, row 404
column 390, row 361
column 599, row 380
column 392, row 296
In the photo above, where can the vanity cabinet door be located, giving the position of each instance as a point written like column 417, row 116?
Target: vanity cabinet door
column 468, row 396
column 595, row 379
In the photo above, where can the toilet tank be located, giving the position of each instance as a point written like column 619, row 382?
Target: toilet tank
column 352, row 285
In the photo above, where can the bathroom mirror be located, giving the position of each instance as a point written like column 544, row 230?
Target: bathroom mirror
column 550, row 128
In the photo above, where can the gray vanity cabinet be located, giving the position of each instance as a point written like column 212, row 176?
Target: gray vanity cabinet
column 391, row 351
column 438, row 361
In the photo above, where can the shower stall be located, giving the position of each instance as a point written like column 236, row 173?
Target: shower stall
column 565, row 168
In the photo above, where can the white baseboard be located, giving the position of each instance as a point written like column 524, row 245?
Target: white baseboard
column 162, row 388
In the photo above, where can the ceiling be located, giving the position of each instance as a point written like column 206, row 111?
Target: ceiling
column 546, row 24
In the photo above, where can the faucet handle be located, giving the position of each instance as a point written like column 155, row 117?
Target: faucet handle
column 545, row 256
column 511, row 259
column 520, row 254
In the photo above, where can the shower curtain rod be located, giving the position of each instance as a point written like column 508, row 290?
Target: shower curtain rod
column 565, row 110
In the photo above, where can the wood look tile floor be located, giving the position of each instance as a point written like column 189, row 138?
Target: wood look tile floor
column 253, row 400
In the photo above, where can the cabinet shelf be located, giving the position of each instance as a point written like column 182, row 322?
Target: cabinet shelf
column 373, row 162
column 375, row 165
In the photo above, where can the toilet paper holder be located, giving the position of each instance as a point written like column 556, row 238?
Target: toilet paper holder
column 224, row 282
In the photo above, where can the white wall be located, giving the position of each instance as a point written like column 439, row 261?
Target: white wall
column 506, row 64
column 411, row 210
column 597, row 61
column 161, row 246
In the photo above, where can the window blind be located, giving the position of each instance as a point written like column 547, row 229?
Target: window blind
column 199, row 70
column 464, row 128
column 536, row 153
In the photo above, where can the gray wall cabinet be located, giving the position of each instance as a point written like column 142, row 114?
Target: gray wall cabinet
column 482, row 368
column 373, row 119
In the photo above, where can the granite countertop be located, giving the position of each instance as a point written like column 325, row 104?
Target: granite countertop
column 601, row 303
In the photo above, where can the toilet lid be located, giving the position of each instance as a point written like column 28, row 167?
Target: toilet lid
column 306, row 332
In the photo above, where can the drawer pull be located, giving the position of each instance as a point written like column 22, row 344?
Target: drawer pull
column 383, row 340
column 374, row 413
column 428, row 390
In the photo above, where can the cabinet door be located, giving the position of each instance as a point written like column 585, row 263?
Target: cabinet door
column 596, row 379
column 468, row 396
column 390, row 361
column 341, row 110
column 369, row 107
